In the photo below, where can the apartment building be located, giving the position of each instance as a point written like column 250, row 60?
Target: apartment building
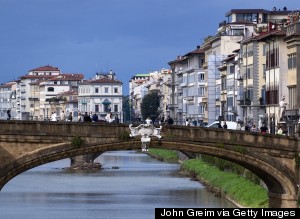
column 292, row 40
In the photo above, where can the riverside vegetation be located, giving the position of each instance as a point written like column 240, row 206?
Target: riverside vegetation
column 243, row 191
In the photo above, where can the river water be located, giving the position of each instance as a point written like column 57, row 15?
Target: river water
column 134, row 190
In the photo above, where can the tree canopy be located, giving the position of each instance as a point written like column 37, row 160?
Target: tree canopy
column 149, row 106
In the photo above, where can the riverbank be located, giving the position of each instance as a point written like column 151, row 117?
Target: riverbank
column 235, row 188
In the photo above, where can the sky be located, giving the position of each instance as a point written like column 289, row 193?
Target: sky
column 128, row 37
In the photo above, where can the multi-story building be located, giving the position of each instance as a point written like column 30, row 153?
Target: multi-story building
column 57, row 91
column 242, row 25
column 143, row 84
column 189, row 87
column 159, row 82
column 230, row 88
column 8, row 100
column 101, row 95
column 292, row 40
column 28, row 93
column 137, row 90
column 36, row 92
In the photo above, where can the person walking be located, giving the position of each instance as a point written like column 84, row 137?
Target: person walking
column 225, row 125
column 117, row 120
column 70, row 117
column 79, row 117
column 86, row 117
column 170, row 120
column 53, row 117
column 62, row 116
column 94, row 117
column 109, row 117
column 8, row 115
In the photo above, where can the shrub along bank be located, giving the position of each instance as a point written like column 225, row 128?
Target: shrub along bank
column 231, row 185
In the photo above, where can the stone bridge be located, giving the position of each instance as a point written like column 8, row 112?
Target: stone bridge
column 275, row 159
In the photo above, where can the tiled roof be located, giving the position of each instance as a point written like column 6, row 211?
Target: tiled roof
column 37, row 76
column 68, row 77
column 6, row 85
column 264, row 35
column 103, row 81
column 46, row 68
column 197, row 51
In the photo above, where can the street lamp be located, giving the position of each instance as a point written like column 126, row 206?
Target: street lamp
column 47, row 109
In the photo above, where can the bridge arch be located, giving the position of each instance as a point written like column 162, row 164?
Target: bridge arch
column 26, row 144
column 280, row 183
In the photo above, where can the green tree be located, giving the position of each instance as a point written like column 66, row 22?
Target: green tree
column 149, row 106
column 126, row 108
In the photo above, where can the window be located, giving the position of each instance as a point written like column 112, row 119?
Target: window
column 231, row 69
column 229, row 101
column 248, row 94
column 106, row 90
column 116, row 90
column 292, row 61
column 250, row 72
column 201, row 108
column 218, row 92
column 106, row 108
column 223, row 83
column 201, row 77
column 230, row 84
column 97, row 108
column 272, row 55
column 184, row 91
column 201, row 91
column 116, row 108
column 50, row 89
column 96, row 90
column 191, row 78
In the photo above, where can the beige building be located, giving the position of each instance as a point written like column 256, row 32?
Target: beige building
column 292, row 40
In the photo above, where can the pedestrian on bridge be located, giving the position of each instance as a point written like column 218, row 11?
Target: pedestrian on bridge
column 264, row 129
column 8, row 115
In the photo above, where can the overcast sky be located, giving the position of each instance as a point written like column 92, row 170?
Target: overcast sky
column 126, row 36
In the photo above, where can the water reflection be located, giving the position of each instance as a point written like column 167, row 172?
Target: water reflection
column 133, row 191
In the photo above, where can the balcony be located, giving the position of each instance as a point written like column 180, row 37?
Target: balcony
column 172, row 106
column 204, row 100
column 245, row 102
column 33, row 99
column 190, row 98
column 183, row 84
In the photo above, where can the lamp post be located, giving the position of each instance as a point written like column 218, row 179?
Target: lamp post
column 44, row 113
column 47, row 109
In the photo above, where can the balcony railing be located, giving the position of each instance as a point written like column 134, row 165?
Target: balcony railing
column 244, row 102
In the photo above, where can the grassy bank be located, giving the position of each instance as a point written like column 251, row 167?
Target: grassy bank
column 232, row 185
column 164, row 155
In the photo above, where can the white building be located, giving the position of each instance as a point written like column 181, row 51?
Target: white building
column 8, row 100
column 101, row 95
